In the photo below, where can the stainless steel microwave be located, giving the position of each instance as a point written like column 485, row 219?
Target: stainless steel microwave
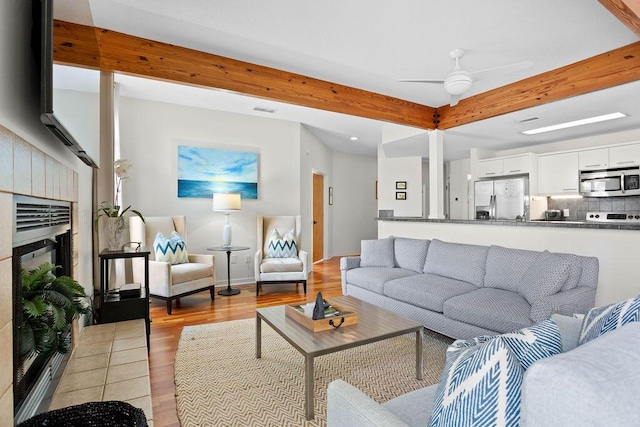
column 610, row 182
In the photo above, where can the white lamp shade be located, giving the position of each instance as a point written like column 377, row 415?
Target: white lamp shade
column 226, row 201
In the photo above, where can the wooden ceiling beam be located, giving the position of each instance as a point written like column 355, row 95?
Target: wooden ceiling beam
column 117, row 52
column 627, row 11
column 603, row 71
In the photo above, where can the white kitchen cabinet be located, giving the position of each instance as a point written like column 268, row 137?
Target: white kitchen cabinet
column 513, row 165
column 558, row 173
column 491, row 167
column 593, row 159
column 516, row 165
column 624, row 155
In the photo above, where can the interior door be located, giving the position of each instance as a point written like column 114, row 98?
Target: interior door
column 318, row 217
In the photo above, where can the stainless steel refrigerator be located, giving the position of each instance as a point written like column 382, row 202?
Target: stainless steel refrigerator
column 502, row 199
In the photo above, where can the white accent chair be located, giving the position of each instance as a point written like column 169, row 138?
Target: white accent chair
column 170, row 282
column 279, row 270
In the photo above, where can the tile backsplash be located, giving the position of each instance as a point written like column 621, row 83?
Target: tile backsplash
column 578, row 208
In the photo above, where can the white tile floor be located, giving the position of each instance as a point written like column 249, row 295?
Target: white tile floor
column 110, row 363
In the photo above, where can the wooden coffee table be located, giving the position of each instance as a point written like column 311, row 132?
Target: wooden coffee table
column 374, row 324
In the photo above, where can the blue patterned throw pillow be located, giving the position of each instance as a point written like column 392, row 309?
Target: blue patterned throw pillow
column 282, row 247
column 172, row 249
column 480, row 384
column 600, row 320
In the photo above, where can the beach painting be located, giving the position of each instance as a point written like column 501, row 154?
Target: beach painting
column 204, row 171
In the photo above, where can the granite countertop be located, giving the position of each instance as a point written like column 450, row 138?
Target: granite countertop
column 534, row 223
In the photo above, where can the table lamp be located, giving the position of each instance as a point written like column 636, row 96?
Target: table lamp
column 226, row 202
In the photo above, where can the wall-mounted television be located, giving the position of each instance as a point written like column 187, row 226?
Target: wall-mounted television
column 43, row 44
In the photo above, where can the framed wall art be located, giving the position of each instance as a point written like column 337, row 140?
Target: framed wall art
column 401, row 195
column 204, row 171
column 401, row 185
column 330, row 195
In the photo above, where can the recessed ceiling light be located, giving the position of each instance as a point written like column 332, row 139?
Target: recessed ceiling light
column 354, row 138
column 264, row 110
column 574, row 123
column 527, row 120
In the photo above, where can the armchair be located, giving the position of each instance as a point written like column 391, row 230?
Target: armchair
column 166, row 281
column 283, row 269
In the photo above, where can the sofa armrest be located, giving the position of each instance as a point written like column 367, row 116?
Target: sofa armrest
column 202, row 259
column 159, row 276
column 346, row 264
column 304, row 257
column 348, row 406
column 257, row 260
column 349, row 262
column 576, row 300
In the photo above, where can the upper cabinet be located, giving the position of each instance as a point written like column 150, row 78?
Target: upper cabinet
column 593, row 159
column 558, row 173
column 512, row 165
column 624, row 155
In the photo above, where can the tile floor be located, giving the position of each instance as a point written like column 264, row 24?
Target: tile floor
column 109, row 363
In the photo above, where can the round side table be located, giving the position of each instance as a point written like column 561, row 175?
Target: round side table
column 228, row 249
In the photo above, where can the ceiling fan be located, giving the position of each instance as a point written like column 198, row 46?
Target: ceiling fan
column 459, row 81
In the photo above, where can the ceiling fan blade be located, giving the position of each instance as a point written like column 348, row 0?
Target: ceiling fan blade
column 454, row 100
column 422, row 81
column 499, row 71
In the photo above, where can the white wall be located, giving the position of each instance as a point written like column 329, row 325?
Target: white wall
column 354, row 202
column 150, row 133
column 459, row 188
column 315, row 157
column 391, row 170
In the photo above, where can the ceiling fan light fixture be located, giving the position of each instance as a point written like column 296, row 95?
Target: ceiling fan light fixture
column 457, row 83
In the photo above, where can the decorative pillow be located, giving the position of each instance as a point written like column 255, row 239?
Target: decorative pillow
column 481, row 380
column 600, row 320
column 482, row 388
column 172, row 249
column 376, row 253
column 410, row 254
column 544, row 277
column 282, row 247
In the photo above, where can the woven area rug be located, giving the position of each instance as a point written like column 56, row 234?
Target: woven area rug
column 219, row 382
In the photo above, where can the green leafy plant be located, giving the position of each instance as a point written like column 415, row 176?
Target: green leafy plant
column 49, row 305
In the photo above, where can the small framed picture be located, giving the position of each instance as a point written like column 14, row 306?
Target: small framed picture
column 401, row 185
column 331, row 195
column 401, row 195
column 376, row 190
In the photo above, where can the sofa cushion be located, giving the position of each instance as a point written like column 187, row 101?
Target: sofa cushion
column 281, row 265
column 187, row 272
column 376, row 253
column 415, row 407
column 481, row 387
column 544, row 277
column 489, row 308
column 374, row 278
column 506, row 266
column 600, row 320
column 596, row 384
column 575, row 271
column 480, row 398
column 426, row 290
column 456, row 260
column 410, row 253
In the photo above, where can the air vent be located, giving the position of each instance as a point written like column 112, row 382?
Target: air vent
column 530, row 119
column 36, row 219
column 264, row 110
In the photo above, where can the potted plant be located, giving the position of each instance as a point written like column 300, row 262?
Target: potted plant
column 49, row 305
column 116, row 225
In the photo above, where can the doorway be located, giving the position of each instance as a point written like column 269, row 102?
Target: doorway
column 318, row 218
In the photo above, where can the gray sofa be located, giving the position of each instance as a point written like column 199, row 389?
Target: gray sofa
column 464, row 291
column 594, row 384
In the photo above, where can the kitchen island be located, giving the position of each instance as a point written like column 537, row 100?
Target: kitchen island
column 615, row 245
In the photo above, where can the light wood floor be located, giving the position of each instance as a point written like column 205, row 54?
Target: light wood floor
column 199, row 309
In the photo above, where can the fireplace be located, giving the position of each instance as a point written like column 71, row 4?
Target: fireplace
column 41, row 233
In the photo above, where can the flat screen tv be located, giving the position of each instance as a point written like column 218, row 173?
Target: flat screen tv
column 43, row 45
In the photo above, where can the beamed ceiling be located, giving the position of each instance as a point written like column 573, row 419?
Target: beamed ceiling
column 109, row 50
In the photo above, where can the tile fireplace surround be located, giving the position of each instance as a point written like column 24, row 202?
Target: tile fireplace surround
column 25, row 170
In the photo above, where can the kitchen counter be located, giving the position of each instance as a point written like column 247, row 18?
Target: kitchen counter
column 514, row 223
